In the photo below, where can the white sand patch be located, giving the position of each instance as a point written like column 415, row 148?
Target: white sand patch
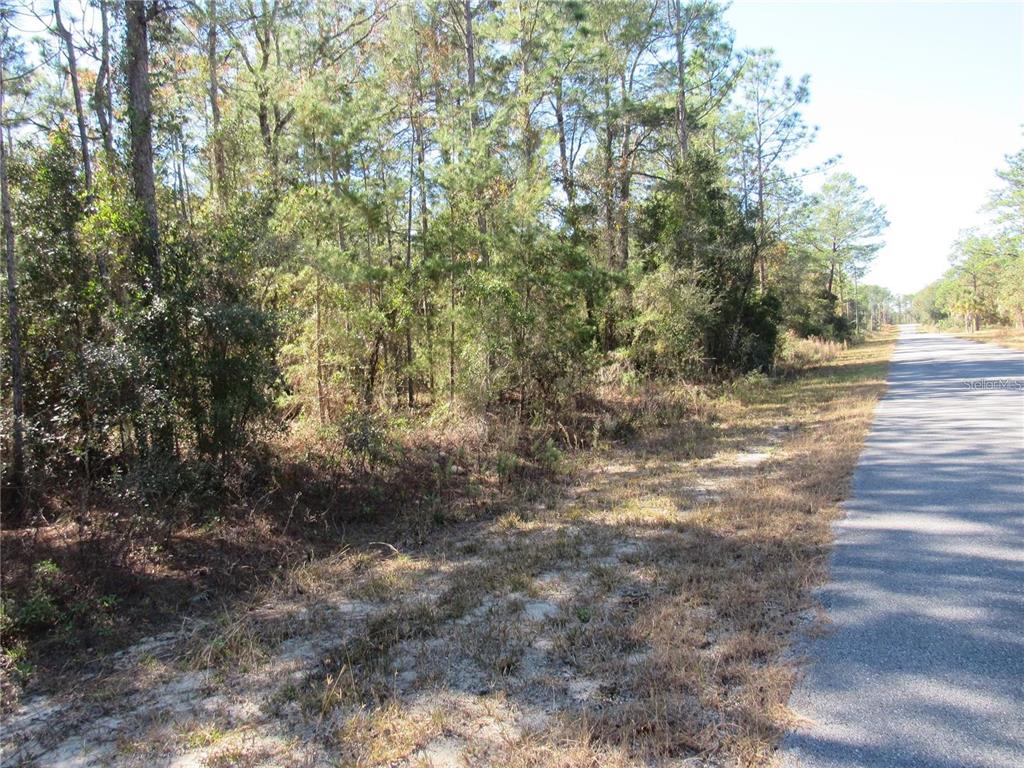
column 540, row 610
column 445, row 752
column 751, row 458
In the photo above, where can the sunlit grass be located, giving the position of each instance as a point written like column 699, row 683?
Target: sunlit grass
column 1001, row 335
column 642, row 618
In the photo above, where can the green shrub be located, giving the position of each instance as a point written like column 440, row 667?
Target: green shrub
column 508, row 466
column 668, row 332
column 365, row 437
column 548, row 455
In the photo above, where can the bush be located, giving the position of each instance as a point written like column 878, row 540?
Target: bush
column 547, row 455
column 668, row 333
column 795, row 353
column 365, row 438
column 50, row 603
column 759, row 333
column 116, row 371
column 508, row 466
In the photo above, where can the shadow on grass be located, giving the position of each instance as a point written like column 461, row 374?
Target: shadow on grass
column 681, row 633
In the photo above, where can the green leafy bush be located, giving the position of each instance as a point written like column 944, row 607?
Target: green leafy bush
column 365, row 438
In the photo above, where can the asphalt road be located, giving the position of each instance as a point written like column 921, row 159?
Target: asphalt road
column 925, row 666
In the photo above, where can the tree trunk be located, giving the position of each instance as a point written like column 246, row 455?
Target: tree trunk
column 140, row 126
column 569, row 187
column 608, row 184
column 624, row 192
column 470, row 59
column 762, row 227
column 682, row 131
column 976, row 315
column 266, row 133
column 186, row 188
column 856, row 305
column 609, row 190
column 421, row 181
column 831, row 270
column 101, row 91
column 451, row 337
column 69, row 50
column 623, row 218
column 563, row 154
column 179, row 179
column 14, row 326
column 410, row 395
column 320, row 396
column 104, row 118
column 371, row 373
column 474, row 115
column 531, row 139
column 219, row 163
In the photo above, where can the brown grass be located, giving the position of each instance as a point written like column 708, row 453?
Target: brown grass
column 797, row 354
column 1001, row 335
column 639, row 612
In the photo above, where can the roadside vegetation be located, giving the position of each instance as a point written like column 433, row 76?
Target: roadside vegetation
column 292, row 276
column 1006, row 337
column 637, row 607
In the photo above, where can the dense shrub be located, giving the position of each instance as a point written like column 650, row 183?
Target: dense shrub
column 114, row 372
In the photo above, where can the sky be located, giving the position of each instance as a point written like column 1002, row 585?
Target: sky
column 923, row 101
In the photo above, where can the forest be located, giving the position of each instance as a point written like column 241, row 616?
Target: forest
column 276, row 269
column 449, row 322
column 226, row 217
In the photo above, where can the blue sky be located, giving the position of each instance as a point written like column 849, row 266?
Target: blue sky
column 922, row 100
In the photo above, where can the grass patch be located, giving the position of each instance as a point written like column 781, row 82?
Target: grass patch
column 1003, row 336
column 385, row 735
column 627, row 620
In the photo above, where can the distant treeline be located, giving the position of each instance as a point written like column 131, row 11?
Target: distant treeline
column 985, row 282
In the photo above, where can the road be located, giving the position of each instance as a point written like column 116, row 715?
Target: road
column 924, row 663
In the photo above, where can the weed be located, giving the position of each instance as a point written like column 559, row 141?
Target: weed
column 508, row 466
column 237, row 642
column 204, row 735
column 384, row 735
column 797, row 354
column 1006, row 337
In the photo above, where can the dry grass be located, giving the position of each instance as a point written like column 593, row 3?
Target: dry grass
column 798, row 354
column 641, row 616
column 385, row 734
column 1004, row 336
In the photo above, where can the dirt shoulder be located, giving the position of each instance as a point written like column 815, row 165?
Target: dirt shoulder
column 640, row 615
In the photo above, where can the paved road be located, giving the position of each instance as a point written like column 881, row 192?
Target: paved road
column 925, row 666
